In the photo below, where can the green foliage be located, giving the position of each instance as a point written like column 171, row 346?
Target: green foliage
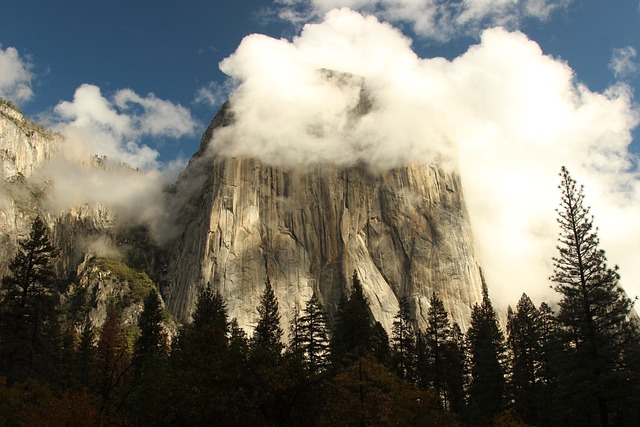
column 595, row 317
column 112, row 362
column 353, row 330
column 140, row 285
column 443, row 357
column 487, row 355
column 404, row 343
column 268, row 333
column 29, row 324
column 309, row 337
column 366, row 393
column 524, row 328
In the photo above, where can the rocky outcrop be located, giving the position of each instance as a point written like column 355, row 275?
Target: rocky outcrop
column 25, row 145
column 24, row 148
column 404, row 231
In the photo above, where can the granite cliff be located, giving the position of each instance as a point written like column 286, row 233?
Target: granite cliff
column 93, row 243
column 405, row 231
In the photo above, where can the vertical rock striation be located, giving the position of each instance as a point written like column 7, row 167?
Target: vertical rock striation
column 405, row 231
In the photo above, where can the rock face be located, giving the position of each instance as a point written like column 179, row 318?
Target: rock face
column 405, row 232
column 81, row 233
column 24, row 147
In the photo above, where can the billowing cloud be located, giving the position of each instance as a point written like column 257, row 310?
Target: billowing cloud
column 102, row 159
column 15, row 76
column 507, row 114
column 436, row 19
column 96, row 125
column 623, row 62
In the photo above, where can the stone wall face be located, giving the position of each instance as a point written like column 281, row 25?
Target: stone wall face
column 404, row 231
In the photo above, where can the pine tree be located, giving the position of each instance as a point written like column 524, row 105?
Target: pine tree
column 268, row 333
column 594, row 314
column 524, row 339
column 487, row 354
column 29, row 324
column 198, row 363
column 312, row 340
column 112, row 361
column 547, row 369
column 454, row 372
column 380, row 348
column 438, row 337
column 353, row 329
column 151, row 345
column 404, row 343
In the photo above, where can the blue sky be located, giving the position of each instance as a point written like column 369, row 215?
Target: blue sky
column 172, row 48
column 525, row 87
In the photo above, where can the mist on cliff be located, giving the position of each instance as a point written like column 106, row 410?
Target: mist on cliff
column 103, row 160
column 503, row 112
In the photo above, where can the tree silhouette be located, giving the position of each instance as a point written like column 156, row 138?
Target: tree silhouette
column 310, row 339
column 404, row 343
column 29, row 327
column 487, row 353
column 524, row 340
column 268, row 333
column 594, row 315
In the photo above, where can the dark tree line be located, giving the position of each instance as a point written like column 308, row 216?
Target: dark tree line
column 576, row 365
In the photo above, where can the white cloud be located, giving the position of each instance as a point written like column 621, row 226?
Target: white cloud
column 96, row 125
column 15, row 76
column 437, row 19
column 509, row 115
column 213, row 94
column 623, row 62
column 112, row 129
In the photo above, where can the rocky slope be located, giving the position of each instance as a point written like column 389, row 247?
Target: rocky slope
column 80, row 233
column 404, row 231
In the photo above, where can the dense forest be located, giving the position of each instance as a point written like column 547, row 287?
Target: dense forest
column 575, row 364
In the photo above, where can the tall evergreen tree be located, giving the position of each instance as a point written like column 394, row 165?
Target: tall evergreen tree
column 112, row 363
column 454, row 372
column 524, row 340
column 404, row 343
column 547, row 369
column 198, row 395
column 487, row 354
column 268, row 333
column 438, row 337
column 594, row 315
column 311, row 340
column 29, row 324
column 151, row 345
column 353, row 330
column 380, row 348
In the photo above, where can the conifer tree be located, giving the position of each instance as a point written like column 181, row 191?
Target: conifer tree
column 112, row 361
column 151, row 345
column 547, row 367
column 524, row 340
column 594, row 315
column 438, row 337
column 404, row 343
column 311, row 340
column 85, row 354
column 197, row 363
column 29, row 324
column 380, row 349
column 454, row 373
column 487, row 354
column 353, row 330
column 268, row 333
